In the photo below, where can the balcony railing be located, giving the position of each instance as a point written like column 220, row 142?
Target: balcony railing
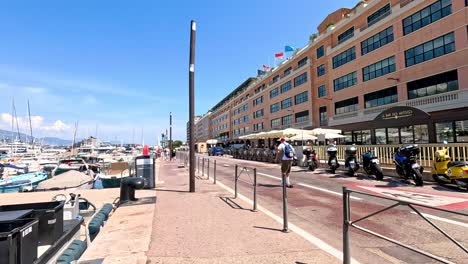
column 377, row 19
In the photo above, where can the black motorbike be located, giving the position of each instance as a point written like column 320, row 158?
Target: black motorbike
column 371, row 165
column 332, row 160
column 406, row 164
column 310, row 158
column 351, row 164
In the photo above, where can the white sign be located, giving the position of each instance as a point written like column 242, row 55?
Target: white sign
column 144, row 161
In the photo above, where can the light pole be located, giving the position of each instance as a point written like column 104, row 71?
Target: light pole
column 170, row 135
column 193, row 27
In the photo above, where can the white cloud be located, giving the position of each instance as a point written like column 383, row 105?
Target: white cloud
column 37, row 123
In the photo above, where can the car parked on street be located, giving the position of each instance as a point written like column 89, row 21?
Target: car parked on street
column 216, row 151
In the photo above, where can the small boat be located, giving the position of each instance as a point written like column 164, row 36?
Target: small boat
column 68, row 180
column 114, row 174
column 22, row 182
column 71, row 165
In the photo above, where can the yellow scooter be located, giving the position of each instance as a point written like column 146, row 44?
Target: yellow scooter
column 446, row 171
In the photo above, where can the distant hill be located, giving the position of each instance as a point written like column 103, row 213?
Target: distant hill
column 53, row 141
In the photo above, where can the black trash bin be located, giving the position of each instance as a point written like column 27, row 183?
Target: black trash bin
column 145, row 168
column 19, row 241
column 50, row 216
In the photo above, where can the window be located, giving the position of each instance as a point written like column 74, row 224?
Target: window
column 234, row 122
column 274, row 92
column 378, row 15
column 436, row 84
column 393, row 136
column 378, row 69
column 444, row 131
column 287, row 71
column 323, row 116
column 287, row 120
column 286, row 87
column 321, row 70
column 421, row 134
column 246, row 118
column 380, row 136
column 378, row 40
column 382, row 97
column 286, row 103
column 346, row 35
column 275, row 79
column 300, row 79
column 246, row 107
column 345, row 81
column 274, row 108
column 302, row 62
column 461, row 131
column 300, row 98
column 427, row 16
column 258, row 126
column 241, row 120
column 406, row 135
column 430, row 50
column 247, row 129
column 362, row 137
column 344, row 57
column 320, row 52
column 322, row 91
column 258, row 100
column 346, row 106
column 258, row 113
column 302, row 117
column 275, row 122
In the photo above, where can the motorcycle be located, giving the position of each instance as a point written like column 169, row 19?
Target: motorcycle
column 350, row 160
column 332, row 160
column 446, row 171
column 407, row 165
column 371, row 165
column 311, row 158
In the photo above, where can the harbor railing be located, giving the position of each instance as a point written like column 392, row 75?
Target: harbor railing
column 348, row 223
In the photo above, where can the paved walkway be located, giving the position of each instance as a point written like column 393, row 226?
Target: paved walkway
column 208, row 227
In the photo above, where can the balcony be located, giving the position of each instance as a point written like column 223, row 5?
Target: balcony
column 377, row 19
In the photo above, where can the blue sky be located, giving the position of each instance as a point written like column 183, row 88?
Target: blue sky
column 123, row 65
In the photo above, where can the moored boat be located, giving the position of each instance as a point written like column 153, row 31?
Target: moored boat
column 27, row 181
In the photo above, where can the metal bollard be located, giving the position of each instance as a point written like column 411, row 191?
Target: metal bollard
column 346, row 219
column 285, row 206
column 203, row 167
column 235, row 183
column 208, row 169
column 255, row 190
column 198, row 164
column 214, row 173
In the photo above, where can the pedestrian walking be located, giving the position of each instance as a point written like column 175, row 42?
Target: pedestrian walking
column 286, row 152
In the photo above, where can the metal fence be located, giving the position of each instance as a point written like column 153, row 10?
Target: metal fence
column 457, row 151
column 348, row 222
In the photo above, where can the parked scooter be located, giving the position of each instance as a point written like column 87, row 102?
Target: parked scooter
column 350, row 160
column 371, row 165
column 407, row 165
column 446, row 171
column 310, row 158
column 332, row 160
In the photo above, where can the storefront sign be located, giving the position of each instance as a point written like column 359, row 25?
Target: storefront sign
column 402, row 112
column 399, row 114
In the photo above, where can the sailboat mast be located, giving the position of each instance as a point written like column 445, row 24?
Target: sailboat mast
column 74, row 137
column 30, row 125
column 17, row 123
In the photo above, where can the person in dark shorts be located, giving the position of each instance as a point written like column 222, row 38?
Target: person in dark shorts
column 286, row 162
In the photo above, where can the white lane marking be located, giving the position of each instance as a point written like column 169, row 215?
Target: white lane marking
column 301, row 232
column 444, row 219
column 310, row 186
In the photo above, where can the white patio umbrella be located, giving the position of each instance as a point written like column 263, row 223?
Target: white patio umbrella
column 319, row 131
column 303, row 137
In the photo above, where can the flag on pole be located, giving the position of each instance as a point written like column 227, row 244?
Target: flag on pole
column 266, row 67
column 288, row 48
column 279, row 55
column 260, row 72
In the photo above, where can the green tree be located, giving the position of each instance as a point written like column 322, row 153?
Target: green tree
column 177, row 143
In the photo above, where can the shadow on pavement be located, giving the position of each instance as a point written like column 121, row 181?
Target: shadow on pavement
column 269, row 185
column 166, row 190
column 232, row 204
column 269, row 228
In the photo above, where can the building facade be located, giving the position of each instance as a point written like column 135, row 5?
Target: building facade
column 384, row 72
